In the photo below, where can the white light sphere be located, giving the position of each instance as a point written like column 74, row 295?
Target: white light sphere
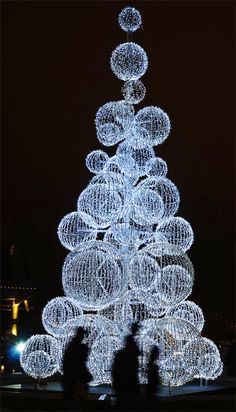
column 167, row 190
column 148, row 206
column 156, row 167
column 133, row 91
column 113, row 121
column 72, row 231
column 129, row 61
column 40, row 356
column 152, row 124
column 57, row 312
column 130, row 233
column 177, row 231
column 99, row 205
column 143, row 272
column 129, row 19
column 175, row 371
column 189, row 311
column 96, row 161
column 94, row 275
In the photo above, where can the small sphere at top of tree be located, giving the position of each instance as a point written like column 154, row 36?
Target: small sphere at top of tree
column 133, row 91
column 129, row 19
column 129, row 61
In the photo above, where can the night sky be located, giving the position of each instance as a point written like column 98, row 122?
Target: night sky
column 55, row 76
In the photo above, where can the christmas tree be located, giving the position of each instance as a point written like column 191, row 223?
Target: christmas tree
column 127, row 261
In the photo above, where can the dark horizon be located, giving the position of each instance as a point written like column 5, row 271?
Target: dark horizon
column 56, row 75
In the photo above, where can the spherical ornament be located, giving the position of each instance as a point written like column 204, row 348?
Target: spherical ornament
column 133, row 156
column 72, row 231
column 99, row 205
column 175, row 371
column 129, row 61
column 129, row 19
column 130, row 233
column 96, row 161
column 177, row 231
column 148, row 206
column 143, row 272
column 57, row 312
column 156, row 167
column 166, row 190
column 113, row 121
column 152, row 124
column 133, row 91
column 40, row 356
column 174, row 284
column 189, row 311
column 94, row 275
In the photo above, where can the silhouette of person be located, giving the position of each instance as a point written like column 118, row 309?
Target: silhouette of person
column 125, row 374
column 152, row 376
column 76, row 374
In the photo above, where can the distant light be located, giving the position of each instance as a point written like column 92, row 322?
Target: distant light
column 20, row 346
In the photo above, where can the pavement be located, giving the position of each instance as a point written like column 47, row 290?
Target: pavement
column 20, row 393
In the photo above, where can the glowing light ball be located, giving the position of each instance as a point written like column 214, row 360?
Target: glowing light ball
column 72, row 231
column 156, row 167
column 99, row 205
column 175, row 371
column 143, row 272
column 130, row 233
column 40, row 356
column 148, row 206
column 112, row 121
column 129, row 19
column 189, row 311
column 152, row 124
column 136, row 154
column 96, row 160
column 57, row 312
column 129, row 61
column 94, row 275
column 133, row 91
column 166, row 190
column 177, row 231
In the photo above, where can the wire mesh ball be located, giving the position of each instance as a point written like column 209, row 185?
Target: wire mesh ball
column 99, row 205
column 175, row 371
column 129, row 61
column 72, row 231
column 101, row 358
column 152, row 124
column 112, row 121
column 143, row 272
column 189, row 311
column 40, row 356
column 96, row 161
column 148, row 206
column 130, row 233
column 57, row 312
column 94, row 275
column 174, row 284
column 129, row 19
column 177, row 231
column 167, row 190
column 156, row 167
column 133, row 91
column 203, row 354
column 135, row 155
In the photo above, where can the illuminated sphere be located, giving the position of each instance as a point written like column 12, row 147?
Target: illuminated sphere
column 129, row 19
column 129, row 61
column 175, row 371
column 112, row 121
column 96, row 160
column 148, row 206
column 189, row 311
column 134, row 156
column 152, row 124
column 177, row 231
column 174, row 284
column 133, row 91
column 204, row 354
column 57, row 312
column 72, row 231
column 156, row 167
column 143, row 272
column 166, row 190
column 40, row 356
column 94, row 275
column 130, row 233
column 99, row 205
